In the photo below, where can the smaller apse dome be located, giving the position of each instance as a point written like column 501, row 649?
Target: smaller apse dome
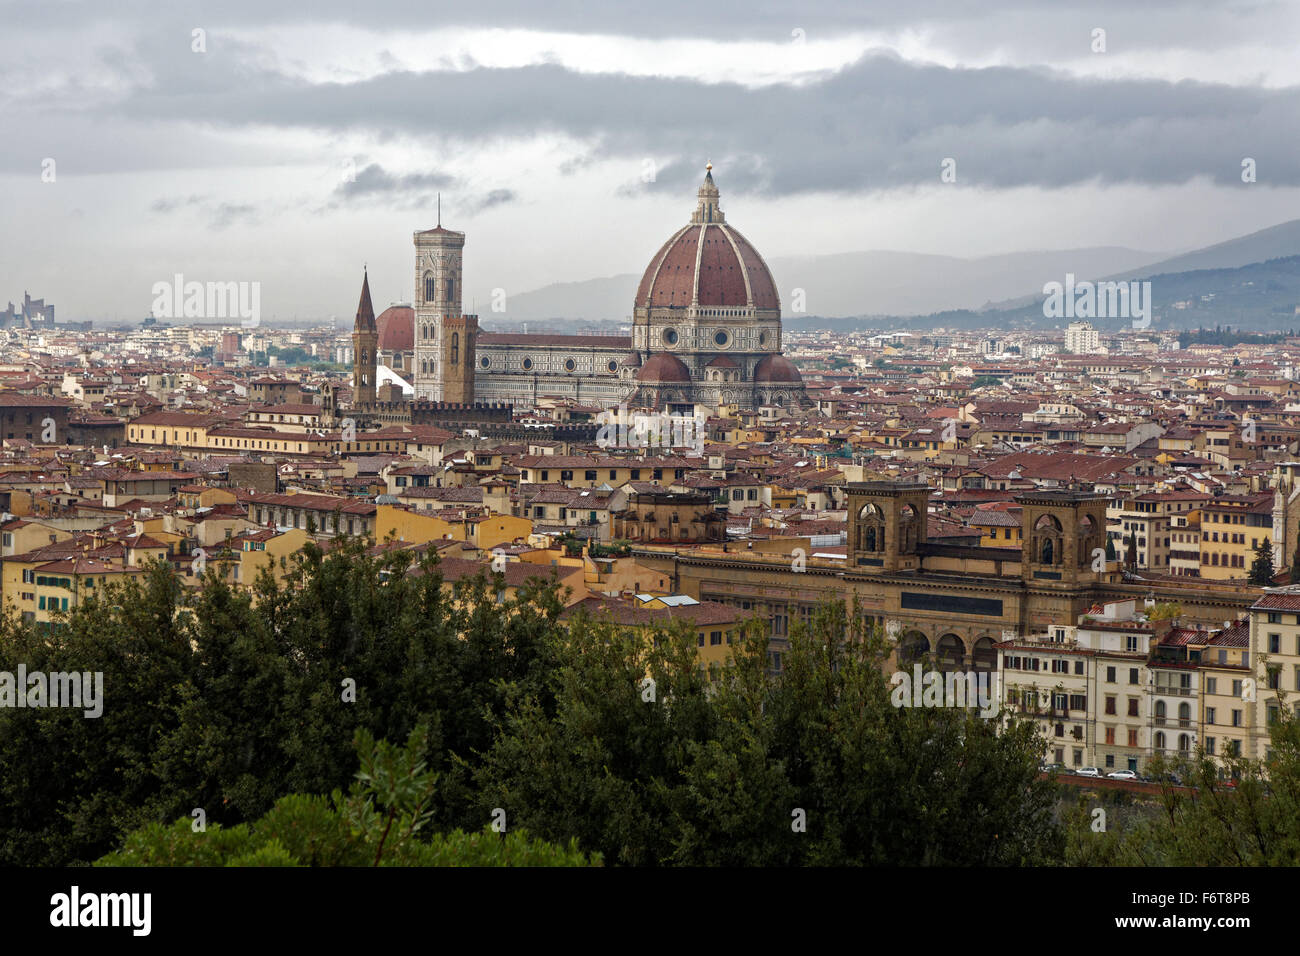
column 664, row 367
column 777, row 369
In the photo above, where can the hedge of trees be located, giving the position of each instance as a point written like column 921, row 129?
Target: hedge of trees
column 491, row 731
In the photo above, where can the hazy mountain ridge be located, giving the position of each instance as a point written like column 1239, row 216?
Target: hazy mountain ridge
column 905, row 285
column 853, row 283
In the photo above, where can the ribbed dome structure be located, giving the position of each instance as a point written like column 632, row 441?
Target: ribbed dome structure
column 707, row 264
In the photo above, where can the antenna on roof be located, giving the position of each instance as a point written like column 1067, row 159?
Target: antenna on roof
column 439, row 210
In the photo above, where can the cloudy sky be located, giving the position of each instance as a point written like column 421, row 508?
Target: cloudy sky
column 250, row 140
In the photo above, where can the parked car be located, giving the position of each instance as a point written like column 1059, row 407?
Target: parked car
column 1088, row 772
column 1122, row 775
column 1051, row 768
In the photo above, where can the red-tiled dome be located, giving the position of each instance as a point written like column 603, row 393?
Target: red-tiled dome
column 396, row 326
column 777, row 369
column 664, row 367
column 707, row 263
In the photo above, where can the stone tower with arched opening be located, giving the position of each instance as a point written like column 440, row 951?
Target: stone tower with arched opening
column 1064, row 537
column 887, row 524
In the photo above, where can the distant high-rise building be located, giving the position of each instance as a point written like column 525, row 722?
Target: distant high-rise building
column 1082, row 339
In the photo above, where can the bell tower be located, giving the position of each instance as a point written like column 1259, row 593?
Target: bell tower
column 365, row 340
column 438, row 257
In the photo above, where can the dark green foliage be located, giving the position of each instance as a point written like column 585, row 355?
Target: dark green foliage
column 1261, row 568
column 379, row 823
column 237, row 708
column 713, row 773
column 1228, row 812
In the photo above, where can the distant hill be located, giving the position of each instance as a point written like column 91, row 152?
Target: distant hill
column 1260, row 296
column 855, row 283
column 901, row 286
column 1275, row 242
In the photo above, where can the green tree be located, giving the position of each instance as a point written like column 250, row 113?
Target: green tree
column 719, row 768
column 1166, row 611
column 1228, row 811
column 381, row 822
column 1261, row 568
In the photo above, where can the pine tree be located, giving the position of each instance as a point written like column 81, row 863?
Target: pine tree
column 1261, row 569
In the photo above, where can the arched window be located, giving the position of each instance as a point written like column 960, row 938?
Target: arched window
column 871, row 520
column 455, row 348
column 451, row 289
column 430, row 291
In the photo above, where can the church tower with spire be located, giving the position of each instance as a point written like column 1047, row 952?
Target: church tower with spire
column 365, row 341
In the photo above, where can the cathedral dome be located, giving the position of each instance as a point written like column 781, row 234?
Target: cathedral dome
column 396, row 326
column 777, row 369
column 664, row 367
column 707, row 263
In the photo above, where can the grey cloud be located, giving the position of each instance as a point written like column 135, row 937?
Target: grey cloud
column 219, row 215
column 720, row 19
column 374, row 180
column 881, row 123
column 228, row 214
column 166, row 205
column 496, row 197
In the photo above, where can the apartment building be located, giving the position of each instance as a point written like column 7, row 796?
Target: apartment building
column 1232, row 526
column 1275, row 638
column 1157, row 521
column 1089, row 686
